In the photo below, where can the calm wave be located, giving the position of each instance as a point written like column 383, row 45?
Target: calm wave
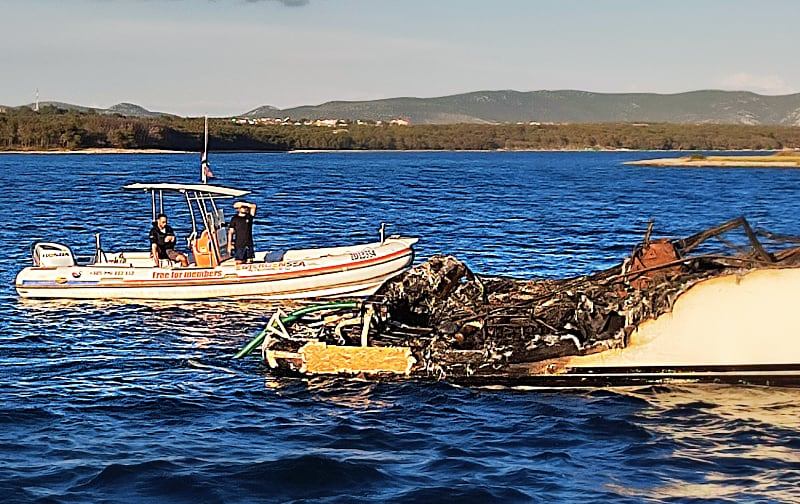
column 140, row 402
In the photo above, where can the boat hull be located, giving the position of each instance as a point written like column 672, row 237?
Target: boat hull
column 779, row 375
column 343, row 272
column 738, row 328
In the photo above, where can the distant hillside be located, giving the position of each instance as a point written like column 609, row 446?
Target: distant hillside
column 264, row 111
column 133, row 110
column 567, row 106
column 124, row 109
column 53, row 129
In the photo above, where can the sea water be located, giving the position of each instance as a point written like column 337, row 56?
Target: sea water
column 140, row 401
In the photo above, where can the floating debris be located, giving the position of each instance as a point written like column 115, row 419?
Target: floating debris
column 442, row 321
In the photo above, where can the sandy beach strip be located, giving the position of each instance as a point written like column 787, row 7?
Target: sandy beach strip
column 722, row 162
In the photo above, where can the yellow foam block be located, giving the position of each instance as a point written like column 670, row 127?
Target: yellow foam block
column 319, row 358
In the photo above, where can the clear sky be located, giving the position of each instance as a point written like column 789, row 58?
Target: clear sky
column 223, row 57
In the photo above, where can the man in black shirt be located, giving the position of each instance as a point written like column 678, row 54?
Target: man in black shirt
column 162, row 243
column 240, row 232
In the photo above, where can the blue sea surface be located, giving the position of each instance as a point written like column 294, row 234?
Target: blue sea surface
column 141, row 402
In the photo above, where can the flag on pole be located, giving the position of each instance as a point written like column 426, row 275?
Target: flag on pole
column 205, row 167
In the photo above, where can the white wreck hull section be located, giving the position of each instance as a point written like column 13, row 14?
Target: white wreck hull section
column 313, row 273
column 729, row 328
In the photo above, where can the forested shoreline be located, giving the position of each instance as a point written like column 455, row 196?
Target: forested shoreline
column 55, row 129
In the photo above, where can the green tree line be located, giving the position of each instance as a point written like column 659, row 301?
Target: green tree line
column 56, row 129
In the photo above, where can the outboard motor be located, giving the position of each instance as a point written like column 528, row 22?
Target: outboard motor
column 52, row 255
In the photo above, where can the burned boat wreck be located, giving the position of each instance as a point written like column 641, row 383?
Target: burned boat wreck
column 717, row 306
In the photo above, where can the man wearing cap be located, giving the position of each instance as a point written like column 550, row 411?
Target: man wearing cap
column 240, row 232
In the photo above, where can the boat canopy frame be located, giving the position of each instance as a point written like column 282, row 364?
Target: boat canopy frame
column 202, row 195
column 194, row 193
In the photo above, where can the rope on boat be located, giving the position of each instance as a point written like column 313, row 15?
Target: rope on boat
column 290, row 318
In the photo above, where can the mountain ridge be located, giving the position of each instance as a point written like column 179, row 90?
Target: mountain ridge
column 567, row 106
column 123, row 108
column 708, row 106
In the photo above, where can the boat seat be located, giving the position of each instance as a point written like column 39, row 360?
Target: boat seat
column 167, row 263
column 201, row 249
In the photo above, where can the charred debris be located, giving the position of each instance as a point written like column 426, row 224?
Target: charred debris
column 441, row 321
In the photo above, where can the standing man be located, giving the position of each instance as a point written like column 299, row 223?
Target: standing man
column 240, row 232
column 162, row 243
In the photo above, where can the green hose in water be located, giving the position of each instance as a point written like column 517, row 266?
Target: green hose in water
column 290, row 318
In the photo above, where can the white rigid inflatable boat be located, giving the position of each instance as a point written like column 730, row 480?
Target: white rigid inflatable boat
column 310, row 273
column 356, row 270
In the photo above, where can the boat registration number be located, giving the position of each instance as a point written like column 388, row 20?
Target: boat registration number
column 363, row 254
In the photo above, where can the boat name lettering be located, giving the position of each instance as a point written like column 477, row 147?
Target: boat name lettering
column 364, row 254
column 182, row 275
column 272, row 265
